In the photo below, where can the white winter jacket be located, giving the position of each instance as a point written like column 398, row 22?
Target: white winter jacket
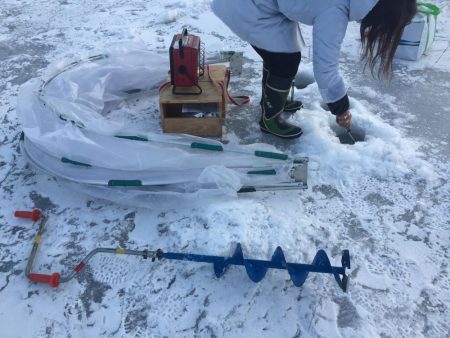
column 273, row 25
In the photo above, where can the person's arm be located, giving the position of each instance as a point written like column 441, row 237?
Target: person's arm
column 340, row 108
column 328, row 32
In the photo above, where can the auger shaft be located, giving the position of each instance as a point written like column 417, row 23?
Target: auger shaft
column 254, row 262
column 256, row 269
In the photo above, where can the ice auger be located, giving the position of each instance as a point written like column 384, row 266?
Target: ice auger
column 256, row 269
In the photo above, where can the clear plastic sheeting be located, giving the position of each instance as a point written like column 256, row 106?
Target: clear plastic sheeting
column 78, row 125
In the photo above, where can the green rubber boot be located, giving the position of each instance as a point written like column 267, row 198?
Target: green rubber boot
column 276, row 91
column 291, row 106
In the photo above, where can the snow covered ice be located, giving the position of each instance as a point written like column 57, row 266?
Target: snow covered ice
column 387, row 199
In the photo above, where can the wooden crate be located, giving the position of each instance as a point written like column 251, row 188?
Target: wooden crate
column 171, row 105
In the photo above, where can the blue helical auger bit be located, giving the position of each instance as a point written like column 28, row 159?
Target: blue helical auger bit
column 257, row 269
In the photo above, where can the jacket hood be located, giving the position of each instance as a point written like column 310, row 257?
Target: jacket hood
column 360, row 8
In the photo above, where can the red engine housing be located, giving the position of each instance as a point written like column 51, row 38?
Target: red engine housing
column 185, row 61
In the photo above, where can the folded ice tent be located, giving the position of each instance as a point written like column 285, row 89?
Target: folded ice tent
column 78, row 126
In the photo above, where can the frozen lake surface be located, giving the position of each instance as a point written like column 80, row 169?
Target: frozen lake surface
column 387, row 200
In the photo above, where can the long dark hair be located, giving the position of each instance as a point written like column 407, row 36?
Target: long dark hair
column 381, row 31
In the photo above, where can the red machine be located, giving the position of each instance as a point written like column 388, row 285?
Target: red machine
column 187, row 62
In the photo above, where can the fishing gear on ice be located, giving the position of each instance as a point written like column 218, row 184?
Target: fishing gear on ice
column 256, row 269
column 91, row 137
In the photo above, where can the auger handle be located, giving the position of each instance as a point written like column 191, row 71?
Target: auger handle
column 52, row 280
column 33, row 215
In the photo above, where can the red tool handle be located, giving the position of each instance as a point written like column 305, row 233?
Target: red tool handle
column 33, row 215
column 52, row 280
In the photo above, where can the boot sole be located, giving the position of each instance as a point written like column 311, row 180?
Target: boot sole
column 287, row 137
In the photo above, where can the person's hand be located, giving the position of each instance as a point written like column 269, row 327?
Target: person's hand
column 345, row 120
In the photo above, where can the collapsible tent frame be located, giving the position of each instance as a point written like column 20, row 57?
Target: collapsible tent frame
column 66, row 136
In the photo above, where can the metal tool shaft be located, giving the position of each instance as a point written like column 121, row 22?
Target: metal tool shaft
column 349, row 132
column 256, row 269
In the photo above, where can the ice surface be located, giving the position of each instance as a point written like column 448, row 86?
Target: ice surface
column 386, row 200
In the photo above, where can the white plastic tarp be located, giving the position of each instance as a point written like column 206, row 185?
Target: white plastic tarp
column 78, row 114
